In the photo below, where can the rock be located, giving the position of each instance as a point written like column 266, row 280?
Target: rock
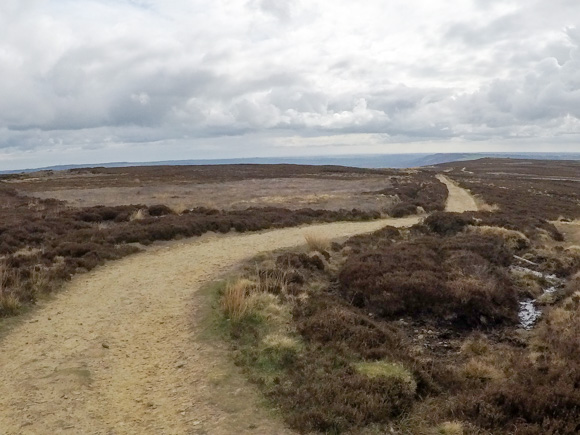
column 105, row 345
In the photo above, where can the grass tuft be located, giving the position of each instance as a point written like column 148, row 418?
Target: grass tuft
column 451, row 428
column 316, row 242
column 236, row 300
column 386, row 369
column 138, row 215
column 514, row 240
column 9, row 302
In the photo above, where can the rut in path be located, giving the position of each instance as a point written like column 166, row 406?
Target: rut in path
column 117, row 351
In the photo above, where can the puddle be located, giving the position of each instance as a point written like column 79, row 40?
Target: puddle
column 529, row 312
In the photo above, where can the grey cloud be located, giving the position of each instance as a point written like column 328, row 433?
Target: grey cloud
column 497, row 30
column 225, row 72
column 280, row 9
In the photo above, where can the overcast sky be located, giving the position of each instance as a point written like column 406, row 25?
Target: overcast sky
column 116, row 80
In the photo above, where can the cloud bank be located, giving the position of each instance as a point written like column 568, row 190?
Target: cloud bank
column 103, row 80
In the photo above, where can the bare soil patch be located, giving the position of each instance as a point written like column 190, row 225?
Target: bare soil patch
column 292, row 193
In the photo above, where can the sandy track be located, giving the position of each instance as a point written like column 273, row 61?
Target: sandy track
column 117, row 352
column 459, row 199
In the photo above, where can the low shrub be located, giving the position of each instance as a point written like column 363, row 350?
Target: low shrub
column 447, row 224
column 402, row 210
column 322, row 322
column 329, row 399
column 159, row 210
column 455, row 278
column 416, row 192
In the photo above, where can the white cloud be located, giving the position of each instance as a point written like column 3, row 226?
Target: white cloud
column 183, row 76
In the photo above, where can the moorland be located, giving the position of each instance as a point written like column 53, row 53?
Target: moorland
column 464, row 323
column 428, row 321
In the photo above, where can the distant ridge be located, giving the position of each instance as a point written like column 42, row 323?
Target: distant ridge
column 355, row 160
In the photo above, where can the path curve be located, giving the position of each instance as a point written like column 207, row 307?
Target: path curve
column 117, row 352
column 459, row 200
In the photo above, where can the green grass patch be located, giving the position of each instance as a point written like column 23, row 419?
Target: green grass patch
column 385, row 369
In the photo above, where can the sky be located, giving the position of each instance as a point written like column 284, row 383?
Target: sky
column 88, row 81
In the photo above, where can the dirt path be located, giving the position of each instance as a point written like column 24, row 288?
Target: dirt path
column 117, row 352
column 459, row 199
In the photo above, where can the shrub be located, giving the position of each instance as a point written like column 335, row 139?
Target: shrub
column 159, row 210
column 416, row 192
column 454, row 279
column 323, row 397
column 447, row 224
column 403, row 209
column 325, row 323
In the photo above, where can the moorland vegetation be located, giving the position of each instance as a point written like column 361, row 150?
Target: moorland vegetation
column 44, row 242
column 418, row 330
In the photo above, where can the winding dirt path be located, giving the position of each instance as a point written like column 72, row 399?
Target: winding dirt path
column 119, row 351
column 459, row 199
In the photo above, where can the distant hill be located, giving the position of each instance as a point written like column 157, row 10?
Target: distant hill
column 360, row 160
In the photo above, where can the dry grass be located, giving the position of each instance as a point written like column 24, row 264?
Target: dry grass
column 514, row 240
column 9, row 302
column 484, row 206
column 571, row 231
column 179, row 208
column 321, row 193
column 316, row 242
column 138, row 215
column 451, row 428
column 481, row 370
column 39, row 279
column 236, row 300
column 527, row 282
column 386, row 369
column 273, row 281
column 477, row 345
column 282, row 343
